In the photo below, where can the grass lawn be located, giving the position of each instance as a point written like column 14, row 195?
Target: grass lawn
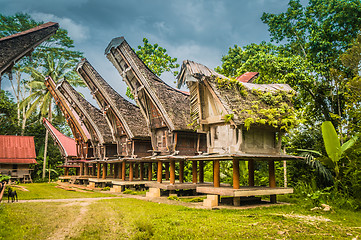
column 49, row 191
column 129, row 218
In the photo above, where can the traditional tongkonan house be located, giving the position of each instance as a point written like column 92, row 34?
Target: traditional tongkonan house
column 66, row 145
column 165, row 109
column 82, row 137
column 128, row 126
column 243, row 121
column 21, row 44
column 96, row 124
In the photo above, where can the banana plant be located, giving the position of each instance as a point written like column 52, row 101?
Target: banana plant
column 333, row 147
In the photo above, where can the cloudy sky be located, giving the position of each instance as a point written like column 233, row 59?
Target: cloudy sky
column 198, row 30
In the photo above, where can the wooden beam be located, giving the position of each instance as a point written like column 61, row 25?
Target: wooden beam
column 159, row 172
column 120, row 170
column 141, row 174
column 150, row 171
column 235, row 173
column 105, row 170
column 272, row 179
column 166, row 171
column 116, row 170
column 81, row 169
column 201, row 171
column 216, row 173
column 181, row 171
column 172, row 172
column 98, row 170
column 123, row 170
column 131, row 171
column 86, row 169
column 251, row 173
column 194, row 171
column 136, row 170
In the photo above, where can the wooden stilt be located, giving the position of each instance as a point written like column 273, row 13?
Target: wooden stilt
column 172, row 172
column 136, row 170
column 123, row 170
column 194, row 171
column 166, row 171
column 116, row 170
column 159, row 172
column 66, row 171
column 77, row 171
column 181, row 171
column 81, row 169
column 272, row 179
column 251, row 173
column 235, row 173
column 201, row 171
column 131, row 171
column 141, row 174
column 120, row 170
column 150, row 172
column 86, row 169
column 98, row 170
column 216, row 173
column 105, row 169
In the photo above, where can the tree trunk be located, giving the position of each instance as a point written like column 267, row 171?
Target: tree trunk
column 46, row 144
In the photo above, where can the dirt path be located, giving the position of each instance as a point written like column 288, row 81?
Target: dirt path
column 68, row 200
column 69, row 229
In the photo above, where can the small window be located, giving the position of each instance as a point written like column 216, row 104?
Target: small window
column 216, row 132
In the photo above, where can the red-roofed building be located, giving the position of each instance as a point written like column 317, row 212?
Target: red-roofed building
column 16, row 155
column 248, row 77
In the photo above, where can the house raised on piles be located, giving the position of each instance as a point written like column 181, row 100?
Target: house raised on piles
column 95, row 122
column 84, row 147
column 127, row 123
column 243, row 121
column 165, row 109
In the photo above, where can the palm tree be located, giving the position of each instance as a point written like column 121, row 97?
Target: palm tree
column 40, row 100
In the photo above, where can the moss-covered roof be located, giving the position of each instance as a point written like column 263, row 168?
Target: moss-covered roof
column 245, row 103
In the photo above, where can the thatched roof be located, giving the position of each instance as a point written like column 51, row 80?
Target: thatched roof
column 172, row 104
column 87, row 112
column 129, row 114
column 243, row 100
column 80, row 132
column 16, row 46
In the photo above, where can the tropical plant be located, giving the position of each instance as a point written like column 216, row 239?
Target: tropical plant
column 334, row 149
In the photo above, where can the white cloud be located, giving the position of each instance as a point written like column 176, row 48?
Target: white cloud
column 76, row 31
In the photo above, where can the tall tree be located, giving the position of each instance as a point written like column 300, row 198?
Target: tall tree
column 157, row 60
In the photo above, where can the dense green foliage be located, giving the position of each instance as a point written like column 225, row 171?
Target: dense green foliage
column 318, row 53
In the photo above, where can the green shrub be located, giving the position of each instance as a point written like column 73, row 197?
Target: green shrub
column 196, row 199
column 106, row 189
column 173, row 198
